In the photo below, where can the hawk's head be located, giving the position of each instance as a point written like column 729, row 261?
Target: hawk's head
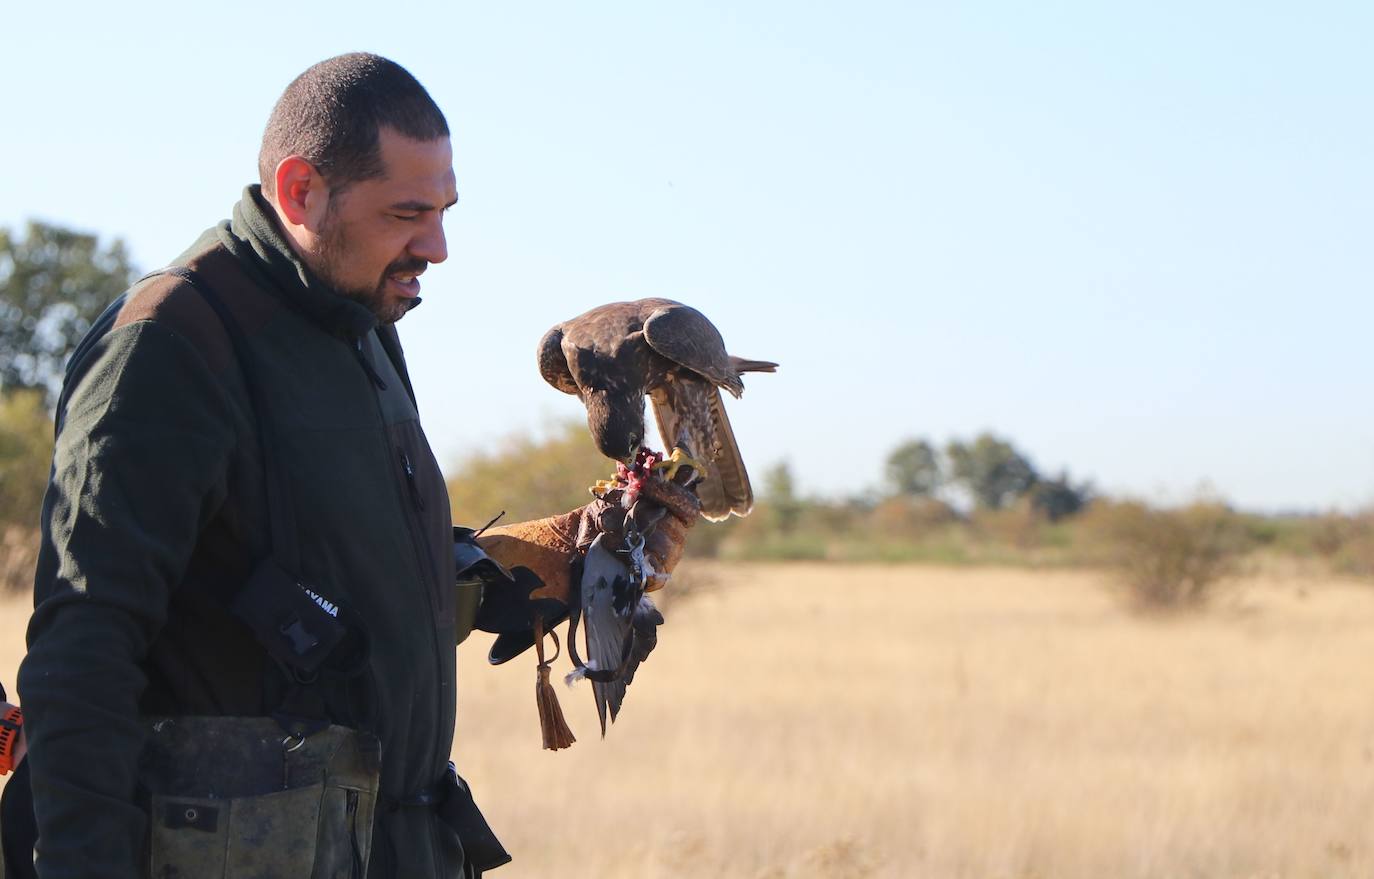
column 616, row 421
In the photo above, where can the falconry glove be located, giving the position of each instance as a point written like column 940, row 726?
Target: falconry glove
column 543, row 559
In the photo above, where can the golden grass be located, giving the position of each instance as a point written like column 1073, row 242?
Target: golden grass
column 812, row 720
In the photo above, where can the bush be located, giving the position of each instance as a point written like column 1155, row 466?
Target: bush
column 18, row 558
column 528, row 477
column 707, row 538
column 1018, row 525
column 1354, row 554
column 1328, row 535
column 1170, row 559
column 912, row 518
column 25, row 456
column 1344, row 542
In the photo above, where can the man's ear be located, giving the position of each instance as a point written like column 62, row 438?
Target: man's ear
column 302, row 196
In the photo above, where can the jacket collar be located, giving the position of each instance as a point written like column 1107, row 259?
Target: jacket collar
column 254, row 238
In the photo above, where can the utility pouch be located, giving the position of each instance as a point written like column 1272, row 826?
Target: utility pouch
column 236, row 796
column 295, row 624
column 481, row 849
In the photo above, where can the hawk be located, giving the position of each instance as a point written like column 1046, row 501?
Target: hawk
column 616, row 354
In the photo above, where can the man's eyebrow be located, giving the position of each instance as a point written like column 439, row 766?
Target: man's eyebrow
column 419, row 207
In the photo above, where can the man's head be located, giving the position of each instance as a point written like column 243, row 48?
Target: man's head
column 356, row 160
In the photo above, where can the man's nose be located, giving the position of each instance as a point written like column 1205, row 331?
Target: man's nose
column 432, row 246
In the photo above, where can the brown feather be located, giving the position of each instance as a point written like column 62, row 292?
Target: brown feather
column 553, row 364
column 735, row 493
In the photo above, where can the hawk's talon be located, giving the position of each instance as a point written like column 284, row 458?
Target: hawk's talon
column 676, row 460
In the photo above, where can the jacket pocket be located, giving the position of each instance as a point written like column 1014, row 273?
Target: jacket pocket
column 264, row 836
column 345, row 838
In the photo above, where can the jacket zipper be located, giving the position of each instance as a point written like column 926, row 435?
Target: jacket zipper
column 418, row 542
column 410, row 480
column 436, row 850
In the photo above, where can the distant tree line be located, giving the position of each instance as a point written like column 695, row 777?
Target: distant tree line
column 993, row 472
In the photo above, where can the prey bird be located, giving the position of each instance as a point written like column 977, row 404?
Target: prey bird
column 616, row 354
column 622, row 626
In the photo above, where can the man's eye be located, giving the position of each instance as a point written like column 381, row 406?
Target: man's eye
column 407, row 217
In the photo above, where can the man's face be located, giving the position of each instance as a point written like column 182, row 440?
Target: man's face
column 378, row 235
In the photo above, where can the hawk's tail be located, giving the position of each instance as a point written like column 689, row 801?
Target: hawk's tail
column 726, row 488
column 732, row 382
column 739, row 364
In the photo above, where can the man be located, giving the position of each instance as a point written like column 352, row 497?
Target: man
column 254, row 414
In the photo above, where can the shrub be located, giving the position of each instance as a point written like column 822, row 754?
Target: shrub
column 1170, row 559
column 1345, row 542
column 1018, row 525
column 1355, row 553
column 25, row 456
column 1328, row 535
column 18, row 558
column 912, row 518
column 528, row 477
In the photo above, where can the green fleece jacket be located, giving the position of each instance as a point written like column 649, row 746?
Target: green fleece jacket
column 157, row 493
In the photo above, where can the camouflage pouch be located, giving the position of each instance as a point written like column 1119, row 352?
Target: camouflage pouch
column 237, row 797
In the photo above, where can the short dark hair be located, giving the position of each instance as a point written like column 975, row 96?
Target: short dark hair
column 331, row 115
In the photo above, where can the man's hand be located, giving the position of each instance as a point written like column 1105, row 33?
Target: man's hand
column 544, row 555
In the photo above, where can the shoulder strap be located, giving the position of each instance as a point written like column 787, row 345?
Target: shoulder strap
column 298, row 627
column 77, row 362
column 280, row 513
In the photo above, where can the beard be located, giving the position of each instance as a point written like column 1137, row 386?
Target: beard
column 333, row 248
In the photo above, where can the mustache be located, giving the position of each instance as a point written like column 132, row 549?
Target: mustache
column 406, row 267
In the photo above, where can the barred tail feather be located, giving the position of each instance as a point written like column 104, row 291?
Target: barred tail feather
column 739, row 364
column 726, row 489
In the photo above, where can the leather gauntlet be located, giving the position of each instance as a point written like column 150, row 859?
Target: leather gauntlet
column 543, row 558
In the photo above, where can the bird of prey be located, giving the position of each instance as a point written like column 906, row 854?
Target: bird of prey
column 614, row 355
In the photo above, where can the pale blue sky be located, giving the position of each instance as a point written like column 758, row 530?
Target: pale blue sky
column 1133, row 238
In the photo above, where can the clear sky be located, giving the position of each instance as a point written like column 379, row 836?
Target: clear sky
column 1133, row 238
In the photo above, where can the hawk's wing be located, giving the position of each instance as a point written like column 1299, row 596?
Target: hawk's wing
column 553, row 363
column 684, row 335
column 692, row 413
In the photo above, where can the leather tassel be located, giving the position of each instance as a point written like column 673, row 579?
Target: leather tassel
column 552, row 724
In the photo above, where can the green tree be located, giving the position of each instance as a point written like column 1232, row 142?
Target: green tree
column 992, row 470
column 25, row 456
column 913, row 469
column 1058, row 498
column 54, row 283
column 528, row 477
column 780, row 495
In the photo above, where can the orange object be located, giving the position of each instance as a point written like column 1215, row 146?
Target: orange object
column 11, row 722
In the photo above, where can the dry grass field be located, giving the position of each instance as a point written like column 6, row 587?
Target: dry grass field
column 813, row 720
